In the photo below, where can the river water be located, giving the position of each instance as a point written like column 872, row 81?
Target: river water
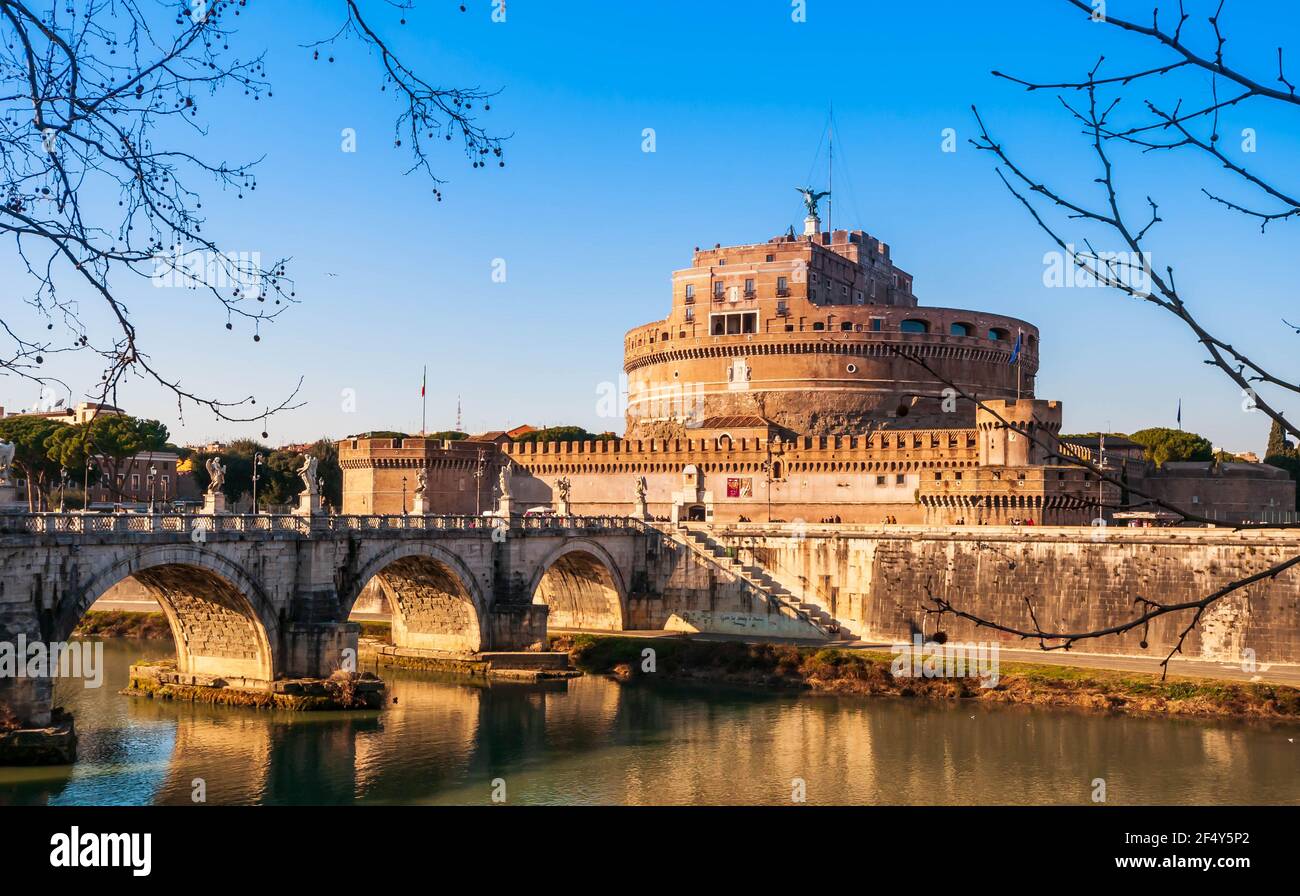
column 595, row 741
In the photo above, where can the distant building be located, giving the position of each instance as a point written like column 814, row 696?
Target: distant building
column 82, row 412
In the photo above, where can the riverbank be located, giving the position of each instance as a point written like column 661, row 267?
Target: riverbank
column 867, row 673
column 123, row 624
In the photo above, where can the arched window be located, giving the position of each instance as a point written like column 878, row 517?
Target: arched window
column 915, row 325
column 961, row 329
column 998, row 334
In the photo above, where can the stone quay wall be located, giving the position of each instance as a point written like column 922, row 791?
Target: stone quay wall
column 876, row 581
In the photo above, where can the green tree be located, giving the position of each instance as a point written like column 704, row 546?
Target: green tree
column 31, row 437
column 1278, row 444
column 446, row 435
column 114, row 440
column 1283, row 455
column 563, row 434
column 381, row 434
column 237, row 458
column 1163, row 445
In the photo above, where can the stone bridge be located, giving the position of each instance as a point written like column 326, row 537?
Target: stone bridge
column 257, row 599
column 254, row 599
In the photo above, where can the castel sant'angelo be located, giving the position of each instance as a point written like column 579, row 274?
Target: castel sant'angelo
column 800, row 379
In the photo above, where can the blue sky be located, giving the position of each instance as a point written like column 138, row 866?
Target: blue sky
column 590, row 226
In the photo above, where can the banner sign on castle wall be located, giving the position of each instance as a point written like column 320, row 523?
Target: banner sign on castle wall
column 740, row 488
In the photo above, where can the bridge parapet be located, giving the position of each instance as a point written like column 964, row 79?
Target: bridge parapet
column 266, row 523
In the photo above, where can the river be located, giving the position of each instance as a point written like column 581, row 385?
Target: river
column 590, row 740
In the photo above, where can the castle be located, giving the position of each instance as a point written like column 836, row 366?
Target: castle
column 800, row 379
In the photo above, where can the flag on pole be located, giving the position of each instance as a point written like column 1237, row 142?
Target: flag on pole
column 424, row 382
column 1015, row 352
column 1180, row 413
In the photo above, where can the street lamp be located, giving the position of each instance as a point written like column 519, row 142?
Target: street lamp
column 478, row 482
column 63, row 484
column 85, row 503
column 257, row 462
column 153, row 482
column 403, row 496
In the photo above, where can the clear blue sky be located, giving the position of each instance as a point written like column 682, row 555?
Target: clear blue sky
column 590, row 226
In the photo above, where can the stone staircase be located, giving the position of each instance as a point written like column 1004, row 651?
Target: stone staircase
column 760, row 582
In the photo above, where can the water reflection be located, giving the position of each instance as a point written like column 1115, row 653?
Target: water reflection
column 590, row 740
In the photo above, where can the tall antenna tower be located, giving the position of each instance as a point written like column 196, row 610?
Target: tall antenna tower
column 458, row 429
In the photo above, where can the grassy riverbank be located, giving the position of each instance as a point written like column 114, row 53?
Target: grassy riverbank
column 868, row 673
column 123, row 624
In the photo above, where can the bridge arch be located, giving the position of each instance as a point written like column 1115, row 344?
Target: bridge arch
column 222, row 622
column 580, row 582
column 436, row 601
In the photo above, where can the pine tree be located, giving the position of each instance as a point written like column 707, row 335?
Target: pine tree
column 1277, row 442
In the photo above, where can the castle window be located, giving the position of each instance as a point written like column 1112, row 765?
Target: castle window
column 847, row 326
column 877, row 324
column 998, row 334
column 690, row 291
column 782, row 309
column 749, row 289
column 900, row 479
column 958, row 329
column 880, row 480
column 938, row 476
column 690, row 314
column 717, row 289
column 818, row 325
column 770, row 258
column 915, row 325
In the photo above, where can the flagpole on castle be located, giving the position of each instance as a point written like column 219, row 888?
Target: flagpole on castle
column 424, row 401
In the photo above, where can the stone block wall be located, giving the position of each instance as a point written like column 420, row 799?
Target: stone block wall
column 877, row 581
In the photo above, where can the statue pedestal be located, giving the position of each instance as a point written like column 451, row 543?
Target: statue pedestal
column 308, row 505
column 9, row 502
column 640, row 511
column 417, row 506
column 214, row 503
column 562, row 508
column 506, row 508
column 812, row 225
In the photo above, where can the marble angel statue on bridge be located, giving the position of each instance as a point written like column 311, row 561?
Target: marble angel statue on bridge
column 216, row 475
column 308, row 473
column 7, row 450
